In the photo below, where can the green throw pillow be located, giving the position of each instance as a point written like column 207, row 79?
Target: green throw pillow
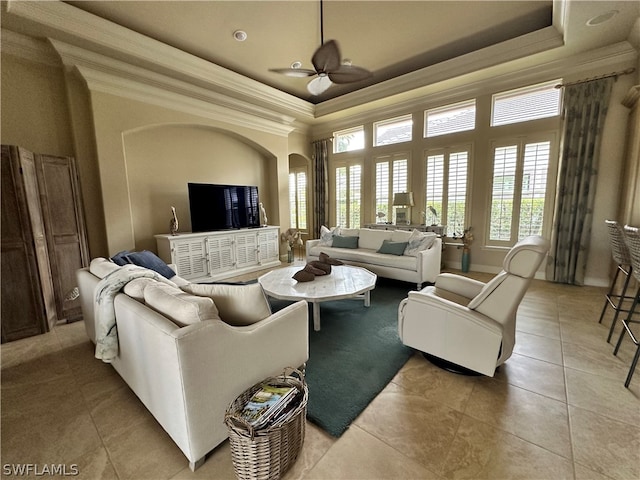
column 393, row 248
column 344, row 242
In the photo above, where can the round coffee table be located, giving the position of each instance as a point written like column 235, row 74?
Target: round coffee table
column 344, row 281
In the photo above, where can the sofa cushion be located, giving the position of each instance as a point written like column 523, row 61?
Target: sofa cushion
column 344, row 242
column 101, row 267
column 393, row 248
column 372, row 239
column 135, row 288
column 419, row 241
column 180, row 307
column 237, row 304
column 365, row 256
column 151, row 261
column 401, row 235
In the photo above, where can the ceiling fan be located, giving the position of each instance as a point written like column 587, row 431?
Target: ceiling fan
column 328, row 66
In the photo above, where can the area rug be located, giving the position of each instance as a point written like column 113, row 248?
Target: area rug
column 354, row 356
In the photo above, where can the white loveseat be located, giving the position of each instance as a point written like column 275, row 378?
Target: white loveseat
column 418, row 261
column 187, row 365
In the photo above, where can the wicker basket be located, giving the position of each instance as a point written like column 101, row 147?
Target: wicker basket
column 267, row 453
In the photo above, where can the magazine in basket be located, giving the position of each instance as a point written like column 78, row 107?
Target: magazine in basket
column 267, row 403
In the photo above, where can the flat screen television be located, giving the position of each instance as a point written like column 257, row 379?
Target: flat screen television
column 223, row 207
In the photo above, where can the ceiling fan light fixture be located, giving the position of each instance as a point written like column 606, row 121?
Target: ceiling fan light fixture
column 319, row 84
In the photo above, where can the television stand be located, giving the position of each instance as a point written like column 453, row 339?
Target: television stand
column 211, row 256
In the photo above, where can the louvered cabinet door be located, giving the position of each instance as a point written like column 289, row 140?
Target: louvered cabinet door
column 246, row 249
column 220, row 252
column 190, row 258
column 28, row 303
column 268, row 246
column 63, row 215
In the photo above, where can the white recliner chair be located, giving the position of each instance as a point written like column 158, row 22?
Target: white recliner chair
column 469, row 323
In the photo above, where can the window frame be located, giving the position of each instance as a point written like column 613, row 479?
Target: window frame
column 347, row 131
column 550, row 189
column 451, row 106
column 550, row 85
column 348, row 164
column 388, row 122
column 447, row 151
column 296, row 171
column 389, row 159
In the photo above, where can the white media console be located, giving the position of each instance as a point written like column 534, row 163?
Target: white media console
column 209, row 256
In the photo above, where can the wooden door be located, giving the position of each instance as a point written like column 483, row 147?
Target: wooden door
column 28, row 306
column 63, row 216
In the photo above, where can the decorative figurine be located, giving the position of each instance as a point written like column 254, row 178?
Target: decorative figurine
column 263, row 214
column 173, row 225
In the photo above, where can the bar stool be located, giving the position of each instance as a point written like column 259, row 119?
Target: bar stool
column 620, row 254
column 632, row 236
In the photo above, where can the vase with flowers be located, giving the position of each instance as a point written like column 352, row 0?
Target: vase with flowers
column 293, row 238
column 467, row 239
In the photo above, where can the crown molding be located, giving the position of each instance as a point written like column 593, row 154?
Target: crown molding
column 28, row 48
column 525, row 45
column 67, row 22
column 602, row 59
column 107, row 75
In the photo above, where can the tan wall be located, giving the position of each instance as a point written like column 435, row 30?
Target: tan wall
column 161, row 160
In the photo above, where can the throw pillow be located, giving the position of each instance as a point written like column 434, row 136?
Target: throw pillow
column 419, row 241
column 180, row 307
column 393, row 248
column 326, row 236
column 237, row 304
column 120, row 258
column 151, row 261
column 345, row 242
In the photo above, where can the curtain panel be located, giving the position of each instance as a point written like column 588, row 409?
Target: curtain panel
column 321, row 184
column 585, row 109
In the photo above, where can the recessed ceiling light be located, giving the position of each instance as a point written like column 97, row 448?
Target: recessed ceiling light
column 602, row 18
column 296, row 64
column 240, row 35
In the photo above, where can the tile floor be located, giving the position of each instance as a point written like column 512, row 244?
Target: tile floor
column 557, row 409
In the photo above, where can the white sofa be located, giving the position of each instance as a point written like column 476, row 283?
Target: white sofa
column 187, row 373
column 418, row 263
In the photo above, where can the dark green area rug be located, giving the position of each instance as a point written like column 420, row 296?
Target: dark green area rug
column 354, row 356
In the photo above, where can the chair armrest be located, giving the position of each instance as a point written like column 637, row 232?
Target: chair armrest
column 429, row 262
column 467, row 287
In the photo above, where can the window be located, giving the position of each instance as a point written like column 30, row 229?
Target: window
column 519, row 190
column 457, row 117
column 298, row 198
column 524, row 104
column 447, row 187
column 392, row 176
column 348, row 195
column 348, row 140
column 394, row 130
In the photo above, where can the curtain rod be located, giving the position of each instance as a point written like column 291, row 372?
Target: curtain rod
column 613, row 74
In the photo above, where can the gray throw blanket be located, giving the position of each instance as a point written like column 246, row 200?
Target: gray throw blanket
column 106, row 290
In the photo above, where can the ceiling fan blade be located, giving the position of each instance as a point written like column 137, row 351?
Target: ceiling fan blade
column 327, row 57
column 319, row 85
column 294, row 72
column 349, row 74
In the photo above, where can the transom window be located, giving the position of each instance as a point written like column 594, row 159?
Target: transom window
column 392, row 176
column 457, row 117
column 525, row 104
column 519, row 190
column 394, row 130
column 348, row 140
column 447, row 187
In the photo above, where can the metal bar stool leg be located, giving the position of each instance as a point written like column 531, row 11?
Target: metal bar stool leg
column 607, row 297
column 626, row 328
column 618, row 308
